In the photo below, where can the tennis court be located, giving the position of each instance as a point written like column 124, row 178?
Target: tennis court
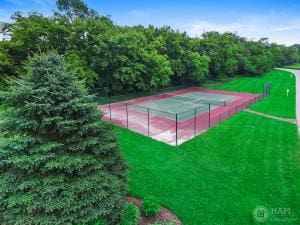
column 178, row 116
column 184, row 105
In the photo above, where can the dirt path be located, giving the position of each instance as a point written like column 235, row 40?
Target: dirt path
column 297, row 75
column 293, row 121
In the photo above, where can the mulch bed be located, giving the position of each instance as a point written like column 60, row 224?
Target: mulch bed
column 163, row 215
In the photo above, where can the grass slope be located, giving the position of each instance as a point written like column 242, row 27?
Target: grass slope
column 278, row 103
column 222, row 175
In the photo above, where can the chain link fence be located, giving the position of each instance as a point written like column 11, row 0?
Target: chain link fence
column 174, row 128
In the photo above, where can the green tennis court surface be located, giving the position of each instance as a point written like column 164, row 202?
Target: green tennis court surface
column 185, row 106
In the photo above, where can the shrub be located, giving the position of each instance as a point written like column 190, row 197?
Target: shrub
column 94, row 222
column 163, row 223
column 150, row 206
column 130, row 215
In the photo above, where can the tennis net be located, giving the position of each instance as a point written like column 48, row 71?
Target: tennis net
column 195, row 100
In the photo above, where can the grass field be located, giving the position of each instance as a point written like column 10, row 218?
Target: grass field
column 220, row 176
column 278, row 103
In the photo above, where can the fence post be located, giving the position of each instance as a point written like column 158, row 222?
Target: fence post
column 176, row 129
column 148, row 122
column 109, row 111
column 209, row 115
column 127, row 114
column 195, row 121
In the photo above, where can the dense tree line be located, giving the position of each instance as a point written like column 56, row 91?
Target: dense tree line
column 129, row 59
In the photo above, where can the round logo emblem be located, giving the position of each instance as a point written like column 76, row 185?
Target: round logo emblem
column 260, row 214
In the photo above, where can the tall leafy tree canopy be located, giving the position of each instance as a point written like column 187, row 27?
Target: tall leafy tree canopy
column 129, row 59
column 59, row 163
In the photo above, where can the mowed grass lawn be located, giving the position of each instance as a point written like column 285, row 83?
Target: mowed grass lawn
column 220, row 176
column 279, row 103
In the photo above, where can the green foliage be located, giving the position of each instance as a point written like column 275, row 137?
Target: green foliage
column 130, row 59
column 150, row 206
column 197, row 66
column 130, row 215
column 163, row 223
column 74, row 8
column 59, row 163
column 6, row 67
column 79, row 66
column 161, row 70
column 94, row 222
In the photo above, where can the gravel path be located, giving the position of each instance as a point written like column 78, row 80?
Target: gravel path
column 293, row 121
column 297, row 75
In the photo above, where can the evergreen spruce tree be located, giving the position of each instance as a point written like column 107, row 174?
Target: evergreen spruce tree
column 59, row 163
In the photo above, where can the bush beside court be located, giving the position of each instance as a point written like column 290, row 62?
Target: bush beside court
column 150, row 206
column 130, row 215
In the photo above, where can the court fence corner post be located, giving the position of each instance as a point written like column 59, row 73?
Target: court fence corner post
column 195, row 121
column 176, row 129
column 148, row 121
column 109, row 106
column 209, row 115
column 127, row 115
